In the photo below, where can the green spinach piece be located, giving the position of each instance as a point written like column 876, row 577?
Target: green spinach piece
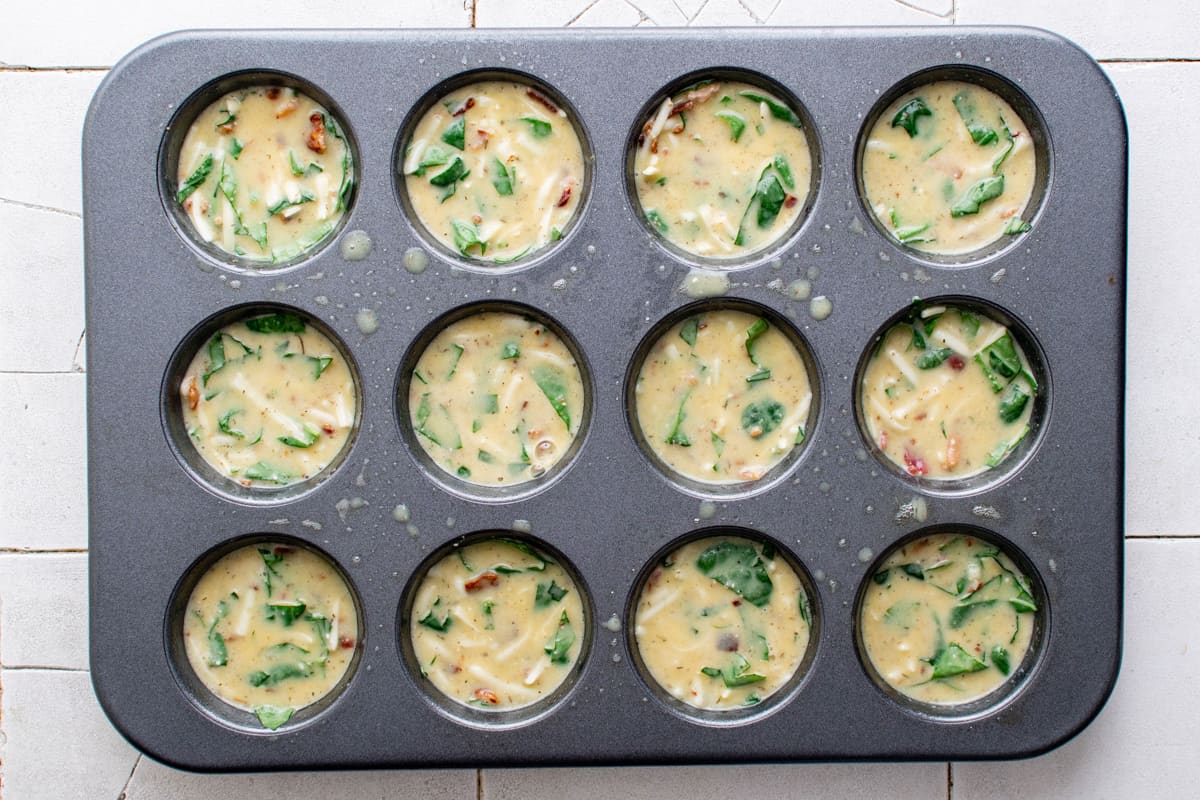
column 285, row 613
column 538, row 127
column 689, row 330
column 552, row 385
column 1013, row 404
column 763, row 416
column 933, row 358
column 908, row 114
column 433, row 156
column 195, row 180
column 1000, row 659
column 736, row 674
column 739, row 568
column 311, row 435
column 736, row 122
column 432, row 622
column 452, row 174
column 466, row 236
column 501, row 179
column 1016, row 225
column 262, row 471
column 548, row 593
column 279, row 673
column 676, row 436
column 1000, row 159
column 454, row 359
column 305, row 197
column 656, row 220
column 273, row 717
column 952, row 660
column 225, row 423
column 1002, row 450
column 456, row 134
column 778, row 109
column 980, row 134
column 1000, row 357
column 976, row 195
column 236, row 148
column 276, row 323
column 559, row 647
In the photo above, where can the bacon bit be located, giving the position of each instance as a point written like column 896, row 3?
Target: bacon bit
column 565, row 197
column 283, row 550
column 483, row 579
column 467, row 105
column 1008, row 213
column 485, row 136
column 346, row 642
column 914, row 464
column 328, row 428
column 791, row 201
column 246, row 482
column 750, row 473
column 287, row 108
column 956, row 362
column 654, row 145
column 455, row 669
column 695, row 97
column 273, row 92
column 920, row 416
column 883, row 439
column 737, row 601
column 316, row 137
column 540, row 98
column 533, row 434
column 487, row 696
column 678, row 130
column 193, row 394
column 228, row 126
column 952, row 451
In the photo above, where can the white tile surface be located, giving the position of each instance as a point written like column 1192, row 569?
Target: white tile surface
column 43, row 610
column 43, row 170
column 1163, row 421
column 760, row 782
column 1105, row 28
column 43, row 472
column 57, row 743
column 153, row 781
column 719, row 13
column 41, row 252
column 56, row 33
column 1144, row 743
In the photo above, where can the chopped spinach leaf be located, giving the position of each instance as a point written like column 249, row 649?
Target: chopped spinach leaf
column 552, row 385
column 452, row 174
column 225, row 423
column 285, row 613
column 1000, row 659
column 194, row 180
column 952, row 660
column 1002, row 450
column 273, row 717
column 762, row 417
column 1013, row 404
column 432, row 622
column 907, row 116
column 549, row 593
column 501, row 179
column 538, row 127
column 433, row 156
column 458, row 351
column 305, row 197
column 1016, row 225
column 978, row 194
column 311, row 435
column 739, row 568
column 1001, row 356
column 737, row 123
column 736, row 674
column 236, row 148
column 466, row 236
column 689, row 329
column 770, row 196
column 913, row 571
column 1000, row 159
column 656, row 220
column 969, row 323
column 278, row 673
column 676, row 436
column 785, row 171
column 980, row 134
column 933, row 358
column 778, row 109
column 262, row 471
column 276, row 323
column 559, row 647
column 297, row 167
column 456, row 134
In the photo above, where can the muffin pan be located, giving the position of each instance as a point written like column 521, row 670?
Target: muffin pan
column 382, row 512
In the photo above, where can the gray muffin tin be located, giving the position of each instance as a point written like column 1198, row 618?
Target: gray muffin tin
column 833, row 509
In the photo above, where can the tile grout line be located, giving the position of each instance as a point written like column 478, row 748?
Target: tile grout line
column 22, row 551
column 479, row 784
column 949, row 780
column 36, row 668
column 14, row 68
column 124, row 789
column 36, row 207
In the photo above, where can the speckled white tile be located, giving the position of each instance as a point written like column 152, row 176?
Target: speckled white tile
column 762, row 782
column 862, row 12
column 43, row 610
column 1105, row 28
column 1144, row 743
column 41, row 307
column 43, row 471
column 44, row 169
column 153, row 781
column 608, row 14
column 1163, row 423
column 530, row 14
column 57, row 744
column 55, row 33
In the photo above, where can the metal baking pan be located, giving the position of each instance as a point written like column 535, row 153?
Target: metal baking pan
column 608, row 283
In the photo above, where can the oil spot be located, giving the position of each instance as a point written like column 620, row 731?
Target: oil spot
column 356, row 245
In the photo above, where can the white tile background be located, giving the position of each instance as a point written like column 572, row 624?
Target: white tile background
column 54, row 740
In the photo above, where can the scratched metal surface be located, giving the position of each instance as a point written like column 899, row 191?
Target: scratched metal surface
column 151, row 292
